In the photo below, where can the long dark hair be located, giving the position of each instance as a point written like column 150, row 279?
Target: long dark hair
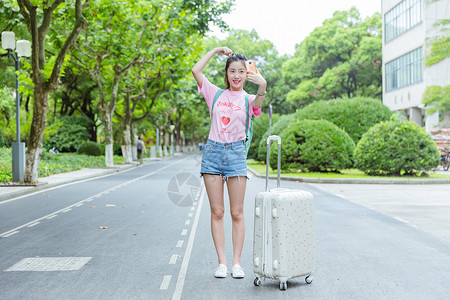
column 233, row 57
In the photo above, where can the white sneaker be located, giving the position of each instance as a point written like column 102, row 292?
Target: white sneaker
column 221, row 271
column 237, row 271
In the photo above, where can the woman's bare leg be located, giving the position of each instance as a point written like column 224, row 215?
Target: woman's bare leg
column 214, row 189
column 236, row 191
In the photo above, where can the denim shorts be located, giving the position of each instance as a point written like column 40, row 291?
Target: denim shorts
column 225, row 159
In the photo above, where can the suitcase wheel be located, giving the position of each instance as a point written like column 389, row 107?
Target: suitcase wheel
column 283, row 286
column 309, row 279
column 257, row 282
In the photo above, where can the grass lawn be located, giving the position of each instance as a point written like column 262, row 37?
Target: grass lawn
column 54, row 163
column 348, row 173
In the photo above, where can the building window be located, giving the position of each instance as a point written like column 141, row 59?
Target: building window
column 402, row 17
column 405, row 70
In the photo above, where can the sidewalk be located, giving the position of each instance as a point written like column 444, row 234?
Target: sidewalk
column 421, row 203
column 360, row 180
column 8, row 192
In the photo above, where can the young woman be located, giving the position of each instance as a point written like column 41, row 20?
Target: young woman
column 224, row 156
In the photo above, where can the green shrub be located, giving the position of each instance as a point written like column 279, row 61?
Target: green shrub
column 5, row 172
column 396, row 148
column 67, row 133
column 90, row 148
column 278, row 126
column 355, row 115
column 117, row 149
column 260, row 126
column 314, row 146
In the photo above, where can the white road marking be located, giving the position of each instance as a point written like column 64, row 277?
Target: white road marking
column 187, row 254
column 173, row 259
column 180, row 243
column 165, row 283
column 49, row 264
column 401, row 220
column 60, row 186
column 8, row 234
column 409, row 204
column 184, row 232
column 34, row 224
column 192, row 208
column 54, row 214
column 187, row 222
column 66, row 210
column 190, row 215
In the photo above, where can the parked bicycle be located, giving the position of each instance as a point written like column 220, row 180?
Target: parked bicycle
column 445, row 160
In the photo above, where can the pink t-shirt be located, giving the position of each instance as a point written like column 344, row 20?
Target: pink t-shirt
column 228, row 121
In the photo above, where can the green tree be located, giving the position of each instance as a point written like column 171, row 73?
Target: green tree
column 46, row 68
column 341, row 58
column 437, row 98
column 109, row 48
column 147, row 35
column 77, row 96
column 267, row 61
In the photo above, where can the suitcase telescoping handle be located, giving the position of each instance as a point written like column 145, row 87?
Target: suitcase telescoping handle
column 271, row 138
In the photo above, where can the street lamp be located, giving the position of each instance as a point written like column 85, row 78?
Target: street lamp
column 23, row 49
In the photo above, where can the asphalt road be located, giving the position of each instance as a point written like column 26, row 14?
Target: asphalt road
column 137, row 235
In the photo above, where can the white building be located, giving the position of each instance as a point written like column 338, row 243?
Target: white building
column 408, row 28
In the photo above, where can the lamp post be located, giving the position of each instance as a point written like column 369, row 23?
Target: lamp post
column 23, row 49
column 270, row 119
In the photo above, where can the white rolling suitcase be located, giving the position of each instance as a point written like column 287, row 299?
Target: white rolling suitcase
column 284, row 239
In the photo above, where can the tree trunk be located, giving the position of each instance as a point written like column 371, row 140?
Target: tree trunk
column 127, row 131
column 38, row 23
column 178, row 128
column 127, row 139
column 133, row 141
column 34, row 146
column 109, row 153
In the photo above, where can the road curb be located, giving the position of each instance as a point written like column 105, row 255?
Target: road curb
column 354, row 180
column 43, row 185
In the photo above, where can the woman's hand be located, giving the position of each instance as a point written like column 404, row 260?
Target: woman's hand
column 257, row 79
column 224, row 51
column 200, row 65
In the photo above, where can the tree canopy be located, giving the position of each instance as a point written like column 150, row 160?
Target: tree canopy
column 341, row 58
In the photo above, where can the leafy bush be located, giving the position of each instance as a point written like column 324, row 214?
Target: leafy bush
column 355, row 116
column 396, row 148
column 67, row 133
column 277, row 127
column 90, row 148
column 314, row 146
column 117, row 149
column 260, row 125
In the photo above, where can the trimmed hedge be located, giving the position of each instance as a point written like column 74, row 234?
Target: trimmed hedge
column 260, row 124
column 355, row 116
column 90, row 148
column 277, row 127
column 396, row 148
column 314, row 146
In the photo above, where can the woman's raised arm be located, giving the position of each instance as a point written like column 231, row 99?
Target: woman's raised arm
column 201, row 64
